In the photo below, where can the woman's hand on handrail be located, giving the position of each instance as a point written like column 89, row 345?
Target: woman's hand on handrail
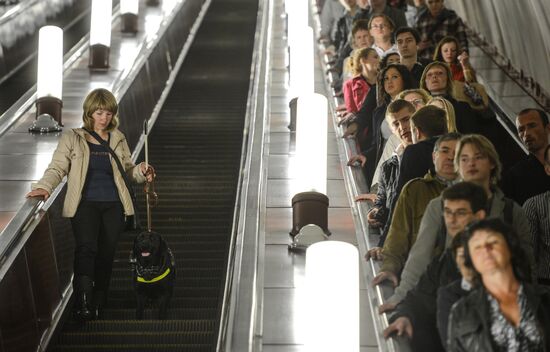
column 148, row 172
column 357, row 160
column 39, row 192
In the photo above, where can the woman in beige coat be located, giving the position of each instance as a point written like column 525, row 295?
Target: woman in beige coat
column 97, row 199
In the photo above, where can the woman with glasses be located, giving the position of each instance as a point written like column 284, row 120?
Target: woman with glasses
column 97, row 199
column 504, row 312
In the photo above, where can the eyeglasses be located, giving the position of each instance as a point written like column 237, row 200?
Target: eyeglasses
column 378, row 26
column 460, row 213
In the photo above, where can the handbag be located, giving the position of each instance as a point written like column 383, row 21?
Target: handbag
column 132, row 221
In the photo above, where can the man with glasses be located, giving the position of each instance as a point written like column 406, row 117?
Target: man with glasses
column 410, row 207
column 381, row 28
column 416, row 316
column 476, row 161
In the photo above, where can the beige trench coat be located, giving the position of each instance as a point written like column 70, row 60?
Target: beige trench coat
column 71, row 159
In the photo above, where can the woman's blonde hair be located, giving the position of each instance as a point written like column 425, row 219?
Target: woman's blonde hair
column 99, row 99
column 358, row 55
column 423, row 93
column 449, row 110
column 449, row 90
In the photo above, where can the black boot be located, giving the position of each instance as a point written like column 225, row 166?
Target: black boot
column 83, row 286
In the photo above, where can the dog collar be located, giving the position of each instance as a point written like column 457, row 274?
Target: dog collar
column 155, row 279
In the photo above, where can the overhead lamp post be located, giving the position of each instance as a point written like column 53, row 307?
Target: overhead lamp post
column 310, row 203
column 100, row 34
column 332, row 297
column 129, row 16
column 49, row 83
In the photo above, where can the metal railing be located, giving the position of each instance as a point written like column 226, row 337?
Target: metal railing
column 240, row 318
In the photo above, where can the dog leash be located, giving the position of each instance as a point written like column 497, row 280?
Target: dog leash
column 149, row 188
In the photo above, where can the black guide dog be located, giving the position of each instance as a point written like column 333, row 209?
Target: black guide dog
column 154, row 272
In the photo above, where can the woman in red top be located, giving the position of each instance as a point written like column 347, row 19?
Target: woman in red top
column 448, row 51
column 365, row 66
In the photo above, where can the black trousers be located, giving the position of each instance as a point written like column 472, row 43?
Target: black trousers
column 97, row 227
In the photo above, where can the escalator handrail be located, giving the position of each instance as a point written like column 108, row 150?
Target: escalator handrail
column 242, row 297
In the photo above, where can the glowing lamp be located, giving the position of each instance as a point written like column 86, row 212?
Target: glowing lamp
column 332, row 297
column 311, row 143
column 310, row 204
column 100, row 34
column 49, row 85
column 129, row 16
column 302, row 65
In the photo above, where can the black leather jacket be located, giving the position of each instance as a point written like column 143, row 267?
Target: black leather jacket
column 470, row 324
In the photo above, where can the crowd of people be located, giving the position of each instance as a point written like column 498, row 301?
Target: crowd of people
column 464, row 241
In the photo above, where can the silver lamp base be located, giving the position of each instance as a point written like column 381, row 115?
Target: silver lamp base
column 308, row 235
column 45, row 123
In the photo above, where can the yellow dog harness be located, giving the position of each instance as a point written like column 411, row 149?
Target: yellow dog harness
column 155, row 279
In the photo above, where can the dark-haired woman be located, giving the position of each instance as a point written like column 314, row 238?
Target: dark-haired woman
column 97, row 199
column 504, row 312
column 448, row 50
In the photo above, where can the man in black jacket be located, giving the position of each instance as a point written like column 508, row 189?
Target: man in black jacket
column 527, row 178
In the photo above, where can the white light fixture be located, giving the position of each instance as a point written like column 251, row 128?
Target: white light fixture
column 49, row 84
column 100, row 34
column 129, row 16
column 332, row 297
column 298, row 15
column 302, row 64
column 311, row 143
column 310, row 203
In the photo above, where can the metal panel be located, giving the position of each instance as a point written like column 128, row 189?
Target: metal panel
column 17, row 319
column 43, row 273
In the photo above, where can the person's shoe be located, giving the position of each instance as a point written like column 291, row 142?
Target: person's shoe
column 82, row 309
column 83, row 287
